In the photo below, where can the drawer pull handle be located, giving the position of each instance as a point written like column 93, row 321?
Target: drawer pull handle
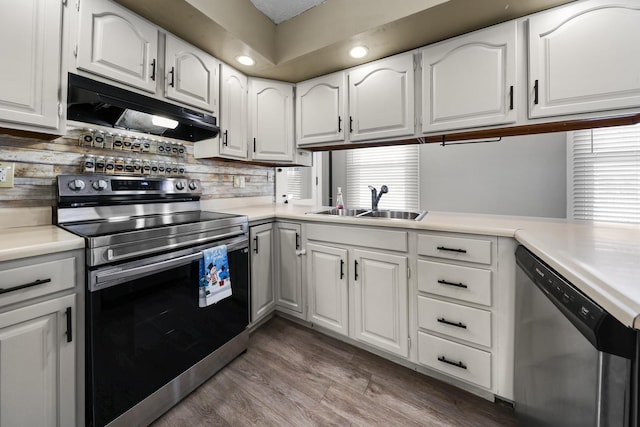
column 450, row 362
column 26, row 285
column 457, row 285
column 444, row 248
column 447, row 322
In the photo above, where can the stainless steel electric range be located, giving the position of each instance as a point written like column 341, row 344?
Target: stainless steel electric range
column 148, row 343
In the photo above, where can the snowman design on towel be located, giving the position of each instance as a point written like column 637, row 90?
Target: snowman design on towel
column 215, row 283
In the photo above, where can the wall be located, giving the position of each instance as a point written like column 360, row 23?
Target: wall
column 38, row 162
column 524, row 175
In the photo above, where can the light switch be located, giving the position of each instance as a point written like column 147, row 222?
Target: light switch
column 6, row 174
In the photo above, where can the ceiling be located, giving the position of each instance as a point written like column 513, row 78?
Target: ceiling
column 315, row 41
column 283, row 10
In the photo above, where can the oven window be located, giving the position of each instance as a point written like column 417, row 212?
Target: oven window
column 145, row 332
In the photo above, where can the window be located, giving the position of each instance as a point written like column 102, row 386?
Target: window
column 397, row 167
column 604, row 174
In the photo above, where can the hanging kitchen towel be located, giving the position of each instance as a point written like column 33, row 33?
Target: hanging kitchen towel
column 215, row 282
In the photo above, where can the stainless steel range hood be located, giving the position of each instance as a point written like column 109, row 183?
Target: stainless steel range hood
column 98, row 103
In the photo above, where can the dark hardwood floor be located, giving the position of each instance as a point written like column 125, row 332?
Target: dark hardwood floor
column 294, row 376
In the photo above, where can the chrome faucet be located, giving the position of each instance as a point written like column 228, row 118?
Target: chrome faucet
column 375, row 196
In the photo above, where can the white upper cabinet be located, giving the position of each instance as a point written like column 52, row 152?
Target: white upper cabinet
column 191, row 75
column 381, row 99
column 233, row 113
column 584, row 58
column 117, row 44
column 320, row 109
column 469, row 81
column 30, row 48
column 271, row 120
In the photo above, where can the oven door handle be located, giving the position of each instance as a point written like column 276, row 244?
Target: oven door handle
column 102, row 278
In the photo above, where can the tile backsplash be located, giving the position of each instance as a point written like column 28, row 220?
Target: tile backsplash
column 38, row 162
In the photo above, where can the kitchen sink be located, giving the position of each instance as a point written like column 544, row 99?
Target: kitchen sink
column 367, row 213
column 413, row 215
column 341, row 212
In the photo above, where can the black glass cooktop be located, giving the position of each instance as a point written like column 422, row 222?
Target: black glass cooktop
column 113, row 226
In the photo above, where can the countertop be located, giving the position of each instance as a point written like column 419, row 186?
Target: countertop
column 28, row 241
column 601, row 259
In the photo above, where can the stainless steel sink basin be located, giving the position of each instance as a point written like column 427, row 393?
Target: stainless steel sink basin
column 367, row 213
column 340, row 212
column 412, row 215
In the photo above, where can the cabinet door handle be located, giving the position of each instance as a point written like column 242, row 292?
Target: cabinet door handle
column 69, row 325
column 255, row 246
column 350, row 124
column 297, row 241
column 254, row 145
column 458, row 285
column 355, row 270
column 26, row 285
column 535, row 93
column 450, row 362
column 444, row 248
column 448, row 322
column 342, row 269
column 225, row 138
column 339, row 124
column 172, row 72
column 153, row 70
column 511, row 98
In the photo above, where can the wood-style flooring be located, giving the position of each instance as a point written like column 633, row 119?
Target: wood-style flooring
column 294, row 376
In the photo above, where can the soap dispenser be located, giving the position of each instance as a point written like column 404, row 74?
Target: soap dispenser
column 339, row 199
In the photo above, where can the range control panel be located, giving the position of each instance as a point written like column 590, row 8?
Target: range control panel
column 106, row 186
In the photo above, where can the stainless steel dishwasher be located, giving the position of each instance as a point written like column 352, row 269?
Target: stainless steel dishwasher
column 575, row 364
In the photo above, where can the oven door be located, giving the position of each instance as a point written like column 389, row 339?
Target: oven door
column 145, row 328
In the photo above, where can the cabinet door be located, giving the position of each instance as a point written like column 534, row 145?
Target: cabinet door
column 289, row 268
column 381, row 99
column 233, row 113
column 263, row 299
column 320, row 109
column 380, row 301
column 37, row 365
column 191, row 75
column 271, row 115
column 30, row 48
column 117, row 44
column 584, row 57
column 328, row 293
column 469, row 81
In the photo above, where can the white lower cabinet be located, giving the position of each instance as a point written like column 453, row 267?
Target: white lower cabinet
column 380, row 301
column 263, row 298
column 327, row 279
column 360, row 293
column 289, row 291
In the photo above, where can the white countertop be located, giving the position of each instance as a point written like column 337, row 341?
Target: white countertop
column 28, row 241
column 601, row 259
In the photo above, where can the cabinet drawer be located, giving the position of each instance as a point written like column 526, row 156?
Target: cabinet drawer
column 458, row 360
column 458, row 321
column 30, row 281
column 458, row 248
column 454, row 281
column 369, row 237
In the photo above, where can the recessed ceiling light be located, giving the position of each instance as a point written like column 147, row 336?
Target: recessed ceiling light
column 359, row 52
column 245, row 60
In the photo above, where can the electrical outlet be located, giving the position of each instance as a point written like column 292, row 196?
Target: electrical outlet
column 238, row 181
column 270, row 176
column 6, row 174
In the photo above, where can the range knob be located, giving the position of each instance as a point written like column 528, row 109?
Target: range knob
column 100, row 185
column 76, row 185
column 179, row 185
column 193, row 186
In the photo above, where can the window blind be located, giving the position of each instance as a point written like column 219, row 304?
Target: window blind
column 397, row 167
column 605, row 174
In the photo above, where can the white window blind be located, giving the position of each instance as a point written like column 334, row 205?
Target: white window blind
column 397, row 167
column 298, row 182
column 605, row 174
